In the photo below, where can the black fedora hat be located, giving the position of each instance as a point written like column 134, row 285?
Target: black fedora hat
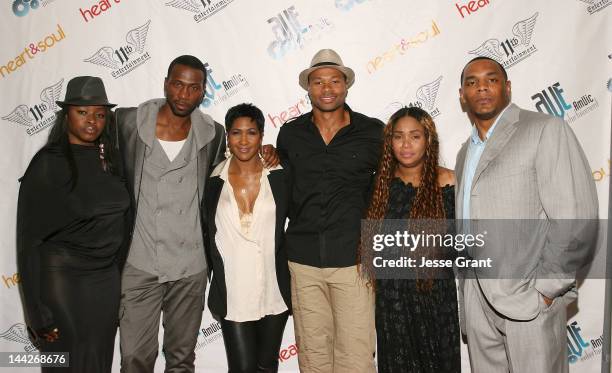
column 85, row 91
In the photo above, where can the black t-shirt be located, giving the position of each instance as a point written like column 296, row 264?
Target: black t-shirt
column 331, row 187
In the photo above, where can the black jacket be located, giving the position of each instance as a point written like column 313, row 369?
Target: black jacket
column 217, row 296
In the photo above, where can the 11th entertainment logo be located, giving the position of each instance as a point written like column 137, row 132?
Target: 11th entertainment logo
column 18, row 333
column 203, row 9
column 513, row 49
column 41, row 115
column 425, row 95
column 594, row 6
column 126, row 58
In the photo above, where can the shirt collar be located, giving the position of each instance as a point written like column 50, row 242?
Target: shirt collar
column 202, row 125
column 347, row 108
column 476, row 139
column 222, row 170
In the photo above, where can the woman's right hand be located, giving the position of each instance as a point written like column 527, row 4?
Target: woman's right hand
column 50, row 335
column 47, row 334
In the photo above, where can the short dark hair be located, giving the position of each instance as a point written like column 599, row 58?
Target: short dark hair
column 244, row 110
column 188, row 60
column 484, row 58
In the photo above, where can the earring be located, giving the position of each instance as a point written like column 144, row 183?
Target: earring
column 228, row 153
column 102, row 157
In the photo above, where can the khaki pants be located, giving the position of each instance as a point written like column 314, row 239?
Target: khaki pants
column 333, row 316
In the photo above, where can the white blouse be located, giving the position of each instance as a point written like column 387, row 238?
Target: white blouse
column 246, row 245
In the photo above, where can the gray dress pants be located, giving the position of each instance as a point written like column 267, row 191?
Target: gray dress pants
column 497, row 344
column 143, row 301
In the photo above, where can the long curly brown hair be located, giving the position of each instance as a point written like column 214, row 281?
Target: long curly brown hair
column 428, row 202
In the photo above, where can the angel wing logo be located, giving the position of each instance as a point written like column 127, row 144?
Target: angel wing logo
column 427, row 93
column 389, row 110
column 19, row 115
column 489, row 48
column 524, row 29
column 138, row 37
column 189, row 5
column 51, row 94
column 105, row 56
column 18, row 333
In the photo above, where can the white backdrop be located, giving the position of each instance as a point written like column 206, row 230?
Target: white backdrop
column 404, row 52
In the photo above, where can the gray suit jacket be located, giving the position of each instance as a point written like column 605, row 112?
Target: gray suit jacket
column 532, row 168
column 210, row 135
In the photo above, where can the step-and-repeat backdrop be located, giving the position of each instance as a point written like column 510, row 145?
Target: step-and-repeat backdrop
column 405, row 52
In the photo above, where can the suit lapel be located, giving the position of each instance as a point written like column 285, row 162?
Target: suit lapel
column 503, row 132
column 459, row 166
column 213, row 192
column 139, row 156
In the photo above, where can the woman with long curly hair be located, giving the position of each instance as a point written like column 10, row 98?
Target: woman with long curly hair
column 71, row 216
column 416, row 319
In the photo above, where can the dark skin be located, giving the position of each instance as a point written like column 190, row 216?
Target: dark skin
column 327, row 89
column 485, row 93
column 85, row 124
column 245, row 168
column 184, row 90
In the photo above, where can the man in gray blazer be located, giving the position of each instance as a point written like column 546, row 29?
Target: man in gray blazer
column 524, row 167
column 169, row 148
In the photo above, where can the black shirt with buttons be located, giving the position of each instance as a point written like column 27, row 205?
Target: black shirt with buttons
column 331, row 187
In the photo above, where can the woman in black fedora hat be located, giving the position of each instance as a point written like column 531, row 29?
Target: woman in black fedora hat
column 71, row 214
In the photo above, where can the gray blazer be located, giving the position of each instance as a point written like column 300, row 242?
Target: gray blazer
column 209, row 134
column 533, row 167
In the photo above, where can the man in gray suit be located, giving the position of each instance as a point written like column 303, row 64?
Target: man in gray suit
column 169, row 148
column 525, row 167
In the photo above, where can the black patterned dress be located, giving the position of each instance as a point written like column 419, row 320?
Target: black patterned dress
column 417, row 331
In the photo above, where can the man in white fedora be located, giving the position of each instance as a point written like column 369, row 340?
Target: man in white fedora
column 332, row 153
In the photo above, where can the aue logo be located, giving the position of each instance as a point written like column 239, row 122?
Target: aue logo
column 290, row 34
column 552, row 100
column 208, row 335
column 512, row 49
column 202, row 9
column 578, row 348
column 125, row 58
column 41, row 115
column 18, row 333
column 221, row 92
column 425, row 95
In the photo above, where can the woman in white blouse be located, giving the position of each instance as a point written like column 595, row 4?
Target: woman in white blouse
column 246, row 210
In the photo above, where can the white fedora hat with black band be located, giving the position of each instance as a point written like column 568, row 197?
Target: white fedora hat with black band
column 327, row 58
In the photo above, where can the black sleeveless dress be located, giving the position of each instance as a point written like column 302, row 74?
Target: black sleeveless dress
column 417, row 331
column 68, row 242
